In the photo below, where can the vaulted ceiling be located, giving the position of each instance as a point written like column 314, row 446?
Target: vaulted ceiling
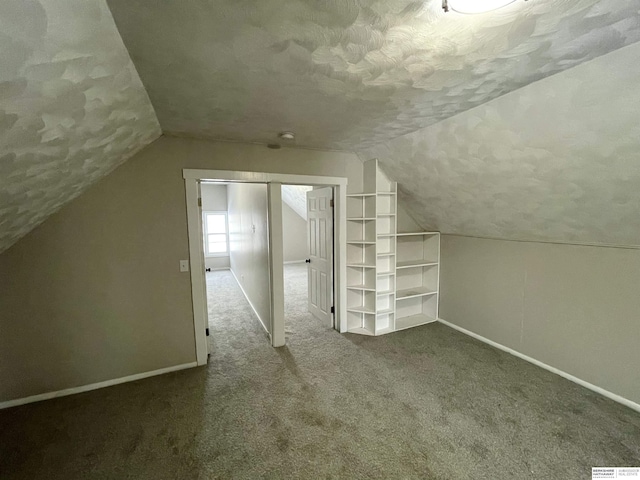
column 557, row 160
column 72, row 107
column 427, row 92
column 347, row 74
column 296, row 197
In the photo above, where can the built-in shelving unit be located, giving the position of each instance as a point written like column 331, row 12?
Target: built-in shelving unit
column 418, row 271
column 392, row 277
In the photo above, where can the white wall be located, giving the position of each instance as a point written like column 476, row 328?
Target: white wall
column 214, row 198
column 406, row 222
column 249, row 244
column 294, row 229
column 575, row 308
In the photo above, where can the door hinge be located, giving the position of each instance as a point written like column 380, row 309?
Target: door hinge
column 199, row 202
column 331, row 203
column 333, row 309
column 206, row 330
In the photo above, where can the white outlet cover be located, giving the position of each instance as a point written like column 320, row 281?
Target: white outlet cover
column 184, row 265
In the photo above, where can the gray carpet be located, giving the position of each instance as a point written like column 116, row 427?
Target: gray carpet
column 424, row 403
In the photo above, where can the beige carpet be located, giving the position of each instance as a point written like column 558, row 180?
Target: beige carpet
column 424, row 403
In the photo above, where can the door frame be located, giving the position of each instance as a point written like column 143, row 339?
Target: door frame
column 274, row 181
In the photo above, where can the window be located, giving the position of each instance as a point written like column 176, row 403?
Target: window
column 216, row 241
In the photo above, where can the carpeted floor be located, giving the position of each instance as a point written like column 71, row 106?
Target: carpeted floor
column 423, row 403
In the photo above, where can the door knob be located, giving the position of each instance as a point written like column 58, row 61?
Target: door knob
column 308, row 260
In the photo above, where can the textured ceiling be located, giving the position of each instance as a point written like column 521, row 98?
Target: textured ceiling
column 348, row 74
column 398, row 79
column 557, row 160
column 296, row 197
column 72, row 107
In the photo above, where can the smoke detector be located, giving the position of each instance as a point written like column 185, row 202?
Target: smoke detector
column 287, row 135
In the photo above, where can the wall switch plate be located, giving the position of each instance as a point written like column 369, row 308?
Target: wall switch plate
column 184, row 265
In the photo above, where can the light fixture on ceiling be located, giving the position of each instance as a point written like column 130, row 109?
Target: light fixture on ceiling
column 287, row 135
column 474, row 6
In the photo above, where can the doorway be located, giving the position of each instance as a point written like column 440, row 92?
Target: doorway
column 307, row 223
column 275, row 288
column 235, row 246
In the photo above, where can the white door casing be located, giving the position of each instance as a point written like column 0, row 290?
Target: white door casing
column 196, row 259
column 320, row 262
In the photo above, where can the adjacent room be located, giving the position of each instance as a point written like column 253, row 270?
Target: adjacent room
column 298, row 314
column 319, row 239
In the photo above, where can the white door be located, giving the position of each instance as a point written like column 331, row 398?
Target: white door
column 320, row 261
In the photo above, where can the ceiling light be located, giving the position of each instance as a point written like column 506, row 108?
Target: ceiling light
column 287, row 135
column 474, row 6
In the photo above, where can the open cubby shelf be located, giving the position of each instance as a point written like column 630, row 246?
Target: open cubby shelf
column 416, row 263
column 392, row 277
column 361, row 287
column 415, row 292
column 413, row 321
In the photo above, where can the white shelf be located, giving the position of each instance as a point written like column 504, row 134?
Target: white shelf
column 360, row 331
column 360, row 310
column 385, row 292
column 405, row 275
column 414, row 292
column 361, row 287
column 416, row 263
column 415, row 234
column 413, row 321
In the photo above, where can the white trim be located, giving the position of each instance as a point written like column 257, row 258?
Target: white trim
column 94, row 386
column 250, row 304
column 339, row 184
column 291, row 262
column 197, row 268
column 260, row 177
column 276, row 256
column 340, row 257
column 616, row 398
column 218, row 269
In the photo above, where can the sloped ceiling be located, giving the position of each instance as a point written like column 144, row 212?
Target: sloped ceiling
column 348, row 74
column 72, row 107
column 296, row 197
column 558, row 160
column 398, row 79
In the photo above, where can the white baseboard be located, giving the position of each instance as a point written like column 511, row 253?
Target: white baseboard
column 93, row 386
column 216, row 269
column 616, row 398
column 250, row 304
column 291, row 262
